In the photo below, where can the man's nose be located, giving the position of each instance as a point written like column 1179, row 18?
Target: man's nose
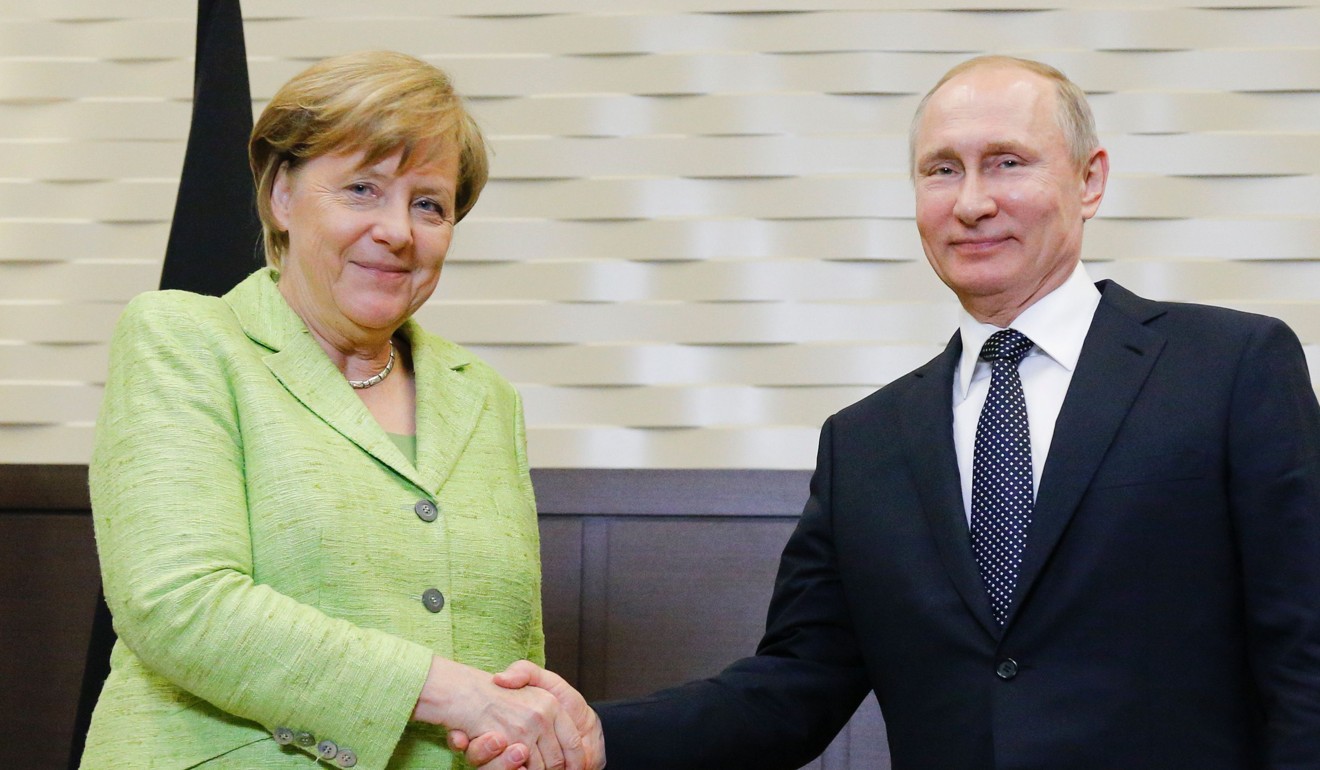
column 974, row 201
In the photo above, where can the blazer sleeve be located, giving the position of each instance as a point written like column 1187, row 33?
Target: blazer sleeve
column 780, row 708
column 1274, row 478
column 173, row 538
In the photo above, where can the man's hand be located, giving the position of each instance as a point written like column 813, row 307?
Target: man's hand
column 493, row 752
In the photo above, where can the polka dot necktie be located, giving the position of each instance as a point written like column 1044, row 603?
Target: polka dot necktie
column 1001, row 472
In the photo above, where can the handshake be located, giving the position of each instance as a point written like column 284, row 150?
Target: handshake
column 525, row 718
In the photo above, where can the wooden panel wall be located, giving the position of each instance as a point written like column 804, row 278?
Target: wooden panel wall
column 698, row 240
column 48, row 563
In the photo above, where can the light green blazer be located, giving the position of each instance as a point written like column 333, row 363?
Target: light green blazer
column 261, row 547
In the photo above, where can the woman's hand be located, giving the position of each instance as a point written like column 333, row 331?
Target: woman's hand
column 467, row 699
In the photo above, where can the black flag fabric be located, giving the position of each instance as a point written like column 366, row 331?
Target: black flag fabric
column 214, row 237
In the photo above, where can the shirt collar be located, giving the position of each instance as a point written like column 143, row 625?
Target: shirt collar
column 1057, row 323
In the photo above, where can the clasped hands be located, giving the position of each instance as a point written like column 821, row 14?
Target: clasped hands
column 524, row 718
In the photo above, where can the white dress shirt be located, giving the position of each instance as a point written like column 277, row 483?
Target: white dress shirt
column 1057, row 323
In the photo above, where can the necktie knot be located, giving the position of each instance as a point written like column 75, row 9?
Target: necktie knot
column 1008, row 345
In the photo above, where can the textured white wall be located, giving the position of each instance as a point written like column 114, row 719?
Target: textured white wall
column 697, row 242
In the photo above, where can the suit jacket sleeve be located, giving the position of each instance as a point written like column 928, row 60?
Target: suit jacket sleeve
column 779, row 708
column 168, row 495
column 1274, row 493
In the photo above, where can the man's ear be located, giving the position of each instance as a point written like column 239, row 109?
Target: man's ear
column 1094, row 177
column 280, row 192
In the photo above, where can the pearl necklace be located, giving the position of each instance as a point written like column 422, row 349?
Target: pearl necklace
column 376, row 378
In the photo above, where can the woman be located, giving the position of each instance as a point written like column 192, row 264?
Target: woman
column 315, row 521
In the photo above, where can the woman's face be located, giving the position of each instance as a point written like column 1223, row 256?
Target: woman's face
column 366, row 242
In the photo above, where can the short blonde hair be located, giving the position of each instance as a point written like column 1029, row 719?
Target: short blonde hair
column 1073, row 113
column 375, row 102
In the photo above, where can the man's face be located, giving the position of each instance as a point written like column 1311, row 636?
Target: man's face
column 1000, row 201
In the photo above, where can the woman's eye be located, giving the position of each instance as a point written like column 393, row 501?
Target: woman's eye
column 430, row 207
column 359, row 188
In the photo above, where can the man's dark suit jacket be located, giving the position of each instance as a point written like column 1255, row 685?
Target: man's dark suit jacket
column 1168, row 608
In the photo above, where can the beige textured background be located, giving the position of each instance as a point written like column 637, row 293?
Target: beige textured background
column 697, row 242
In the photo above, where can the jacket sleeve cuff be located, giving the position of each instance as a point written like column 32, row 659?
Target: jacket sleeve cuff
column 362, row 729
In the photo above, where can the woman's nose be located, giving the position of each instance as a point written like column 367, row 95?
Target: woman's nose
column 393, row 226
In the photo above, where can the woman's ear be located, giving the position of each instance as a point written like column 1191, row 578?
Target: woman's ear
column 280, row 193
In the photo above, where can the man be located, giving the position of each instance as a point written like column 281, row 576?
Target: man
column 1104, row 557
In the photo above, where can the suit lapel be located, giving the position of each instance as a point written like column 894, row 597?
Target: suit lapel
column 927, row 421
column 306, row 372
column 1116, row 359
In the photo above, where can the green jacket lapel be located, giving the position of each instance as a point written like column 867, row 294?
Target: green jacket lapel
column 448, row 404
